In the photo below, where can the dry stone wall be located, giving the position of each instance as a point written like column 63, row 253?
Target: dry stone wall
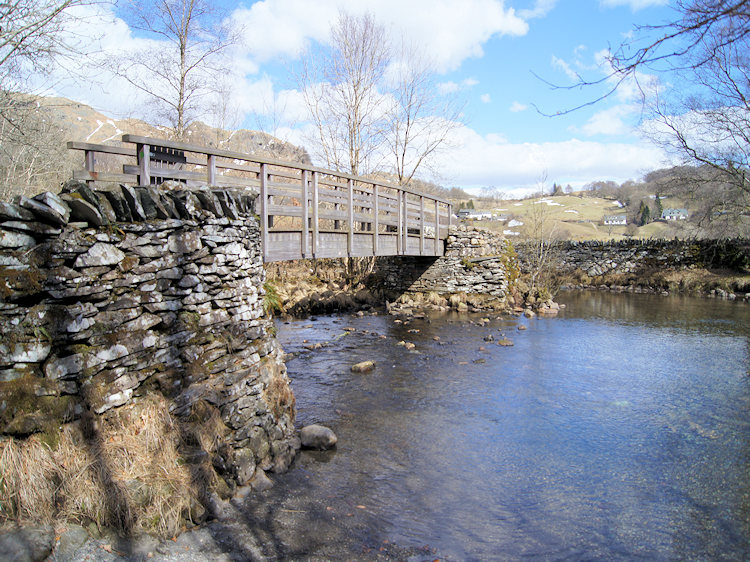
column 106, row 296
column 476, row 261
column 597, row 258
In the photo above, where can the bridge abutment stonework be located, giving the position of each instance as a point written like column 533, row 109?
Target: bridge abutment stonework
column 96, row 313
column 476, row 262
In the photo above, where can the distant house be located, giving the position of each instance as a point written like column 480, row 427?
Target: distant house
column 615, row 219
column 674, row 214
column 473, row 214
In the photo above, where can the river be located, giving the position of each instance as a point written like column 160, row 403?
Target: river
column 618, row 430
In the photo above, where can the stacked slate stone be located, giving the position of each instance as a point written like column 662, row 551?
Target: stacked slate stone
column 105, row 296
column 473, row 242
column 475, row 262
column 597, row 257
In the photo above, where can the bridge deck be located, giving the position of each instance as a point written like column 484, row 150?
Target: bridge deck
column 305, row 211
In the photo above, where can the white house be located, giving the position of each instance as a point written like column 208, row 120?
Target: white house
column 674, row 214
column 615, row 219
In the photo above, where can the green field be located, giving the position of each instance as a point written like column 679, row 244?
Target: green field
column 571, row 217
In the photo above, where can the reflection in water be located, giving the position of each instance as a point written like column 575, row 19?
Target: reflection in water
column 618, row 429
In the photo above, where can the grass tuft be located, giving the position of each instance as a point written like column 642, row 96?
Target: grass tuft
column 124, row 473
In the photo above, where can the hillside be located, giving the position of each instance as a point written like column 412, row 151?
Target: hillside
column 82, row 123
column 568, row 217
column 33, row 155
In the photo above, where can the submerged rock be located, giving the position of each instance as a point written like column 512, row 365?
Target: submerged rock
column 317, row 437
column 363, row 367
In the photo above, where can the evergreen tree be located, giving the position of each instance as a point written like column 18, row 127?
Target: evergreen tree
column 644, row 214
column 659, row 207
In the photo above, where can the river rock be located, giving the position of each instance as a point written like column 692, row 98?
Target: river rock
column 27, row 543
column 363, row 367
column 317, row 437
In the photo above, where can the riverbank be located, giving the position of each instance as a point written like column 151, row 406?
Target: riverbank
column 698, row 282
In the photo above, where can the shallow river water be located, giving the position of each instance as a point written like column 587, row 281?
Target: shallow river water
column 618, row 430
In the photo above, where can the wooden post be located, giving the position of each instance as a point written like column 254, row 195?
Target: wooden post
column 305, row 212
column 405, row 222
column 421, row 225
column 315, row 214
column 437, row 228
column 211, row 169
column 399, row 238
column 376, row 225
column 143, row 152
column 89, row 163
column 263, row 211
column 350, row 236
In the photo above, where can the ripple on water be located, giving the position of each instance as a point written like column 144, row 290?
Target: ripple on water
column 619, row 429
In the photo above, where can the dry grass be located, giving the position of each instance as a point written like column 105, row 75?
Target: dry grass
column 125, row 474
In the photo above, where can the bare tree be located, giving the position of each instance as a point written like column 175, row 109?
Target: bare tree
column 33, row 39
column 32, row 35
column 541, row 236
column 420, row 119
column 177, row 74
column 340, row 88
column 370, row 105
column 706, row 120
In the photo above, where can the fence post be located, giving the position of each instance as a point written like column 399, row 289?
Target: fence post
column 376, row 223
column 305, row 215
column 89, row 163
column 211, row 168
column 263, row 211
column 143, row 152
column 315, row 214
column 350, row 235
column 421, row 225
column 437, row 227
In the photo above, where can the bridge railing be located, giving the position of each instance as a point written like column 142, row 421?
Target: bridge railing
column 305, row 211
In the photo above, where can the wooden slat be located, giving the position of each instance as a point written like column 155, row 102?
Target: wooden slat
column 160, row 172
column 85, row 175
column 102, row 148
column 376, row 212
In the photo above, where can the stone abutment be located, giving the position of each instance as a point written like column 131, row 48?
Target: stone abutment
column 106, row 297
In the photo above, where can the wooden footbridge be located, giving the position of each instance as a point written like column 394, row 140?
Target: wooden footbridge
column 305, row 211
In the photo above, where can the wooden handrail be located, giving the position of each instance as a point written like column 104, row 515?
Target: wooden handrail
column 302, row 207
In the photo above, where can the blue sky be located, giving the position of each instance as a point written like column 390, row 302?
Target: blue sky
column 486, row 50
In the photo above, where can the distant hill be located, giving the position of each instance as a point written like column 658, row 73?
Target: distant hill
column 34, row 131
column 83, row 123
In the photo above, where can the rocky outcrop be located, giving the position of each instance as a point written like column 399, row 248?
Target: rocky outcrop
column 108, row 296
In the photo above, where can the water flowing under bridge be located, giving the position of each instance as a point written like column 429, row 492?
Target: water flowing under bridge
column 305, row 211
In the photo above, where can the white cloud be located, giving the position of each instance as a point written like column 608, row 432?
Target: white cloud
column 611, row 121
column 448, row 30
column 541, row 8
column 565, row 67
column 633, row 4
column 453, row 87
column 483, row 161
column 485, row 98
column 517, row 107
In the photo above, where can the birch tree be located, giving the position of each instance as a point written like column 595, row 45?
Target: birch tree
column 33, row 39
column 419, row 118
column 340, row 88
column 178, row 70
column 373, row 107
